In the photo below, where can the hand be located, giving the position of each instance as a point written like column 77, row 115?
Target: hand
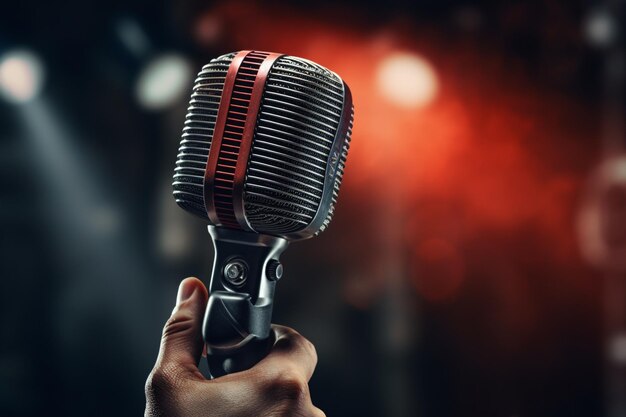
column 276, row 386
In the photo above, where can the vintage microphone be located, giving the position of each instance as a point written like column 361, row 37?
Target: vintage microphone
column 261, row 158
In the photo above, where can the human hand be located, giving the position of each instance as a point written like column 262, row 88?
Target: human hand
column 276, row 386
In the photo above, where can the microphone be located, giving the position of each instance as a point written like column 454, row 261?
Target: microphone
column 262, row 156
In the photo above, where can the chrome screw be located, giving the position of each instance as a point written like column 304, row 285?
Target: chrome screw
column 235, row 272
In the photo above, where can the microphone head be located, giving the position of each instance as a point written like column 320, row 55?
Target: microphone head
column 264, row 145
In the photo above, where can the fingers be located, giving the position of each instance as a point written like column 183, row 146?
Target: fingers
column 282, row 376
column 181, row 343
column 277, row 385
column 291, row 354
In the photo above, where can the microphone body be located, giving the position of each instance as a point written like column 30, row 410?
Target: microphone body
column 261, row 158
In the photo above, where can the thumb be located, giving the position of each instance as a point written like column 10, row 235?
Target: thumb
column 182, row 343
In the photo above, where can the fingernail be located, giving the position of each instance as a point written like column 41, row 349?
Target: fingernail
column 185, row 290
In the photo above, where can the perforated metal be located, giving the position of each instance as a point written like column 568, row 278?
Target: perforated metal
column 301, row 111
column 197, row 135
column 300, row 114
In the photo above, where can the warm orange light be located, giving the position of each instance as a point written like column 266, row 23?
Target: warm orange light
column 472, row 153
column 407, row 80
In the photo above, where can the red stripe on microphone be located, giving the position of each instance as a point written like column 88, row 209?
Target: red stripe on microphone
column 263, row 70
column 232, row 138
column 216, row 141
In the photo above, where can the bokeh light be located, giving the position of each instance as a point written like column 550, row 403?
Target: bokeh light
column 407, row 80
column 600, row 28
column 602, row 218
column 21, row 76
column 163, row 82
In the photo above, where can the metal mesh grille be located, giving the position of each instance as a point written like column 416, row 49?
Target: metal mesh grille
column 300, row 113
column 340, row 168
column 197, row 134
column 299, row 117
column 233, row 136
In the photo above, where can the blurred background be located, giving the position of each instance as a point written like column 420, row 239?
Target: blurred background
column 476, row 265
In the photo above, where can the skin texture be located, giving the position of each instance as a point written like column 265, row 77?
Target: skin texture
column 276, row 386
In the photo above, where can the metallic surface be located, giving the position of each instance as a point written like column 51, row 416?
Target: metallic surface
column 217, row 176
column 237, row 321
column 294, row 163
column 198, row 132
column 282, row 173
column 236, row 272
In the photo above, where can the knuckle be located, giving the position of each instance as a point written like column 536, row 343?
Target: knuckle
column 157, row 383
column 317, row 413
column 178, row 323
column 304, row 345
column 165, row 384
column 293, row 340
column 310, row 347
column 288, row 387
column 286, row 342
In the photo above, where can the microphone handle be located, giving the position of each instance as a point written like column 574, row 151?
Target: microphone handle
column 237, row 322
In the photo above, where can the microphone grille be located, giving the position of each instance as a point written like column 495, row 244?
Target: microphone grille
column 299, row 117
column 197, row 134
column 298, row 150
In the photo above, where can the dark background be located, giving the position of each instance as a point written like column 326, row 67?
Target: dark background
column 457, row 277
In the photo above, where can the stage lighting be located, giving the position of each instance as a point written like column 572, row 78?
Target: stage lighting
column 617, row 349
column 163, row 81
column 407, row 80
column 21, row 76
column 600, row 28
column 602, row 220
column 159, row 78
